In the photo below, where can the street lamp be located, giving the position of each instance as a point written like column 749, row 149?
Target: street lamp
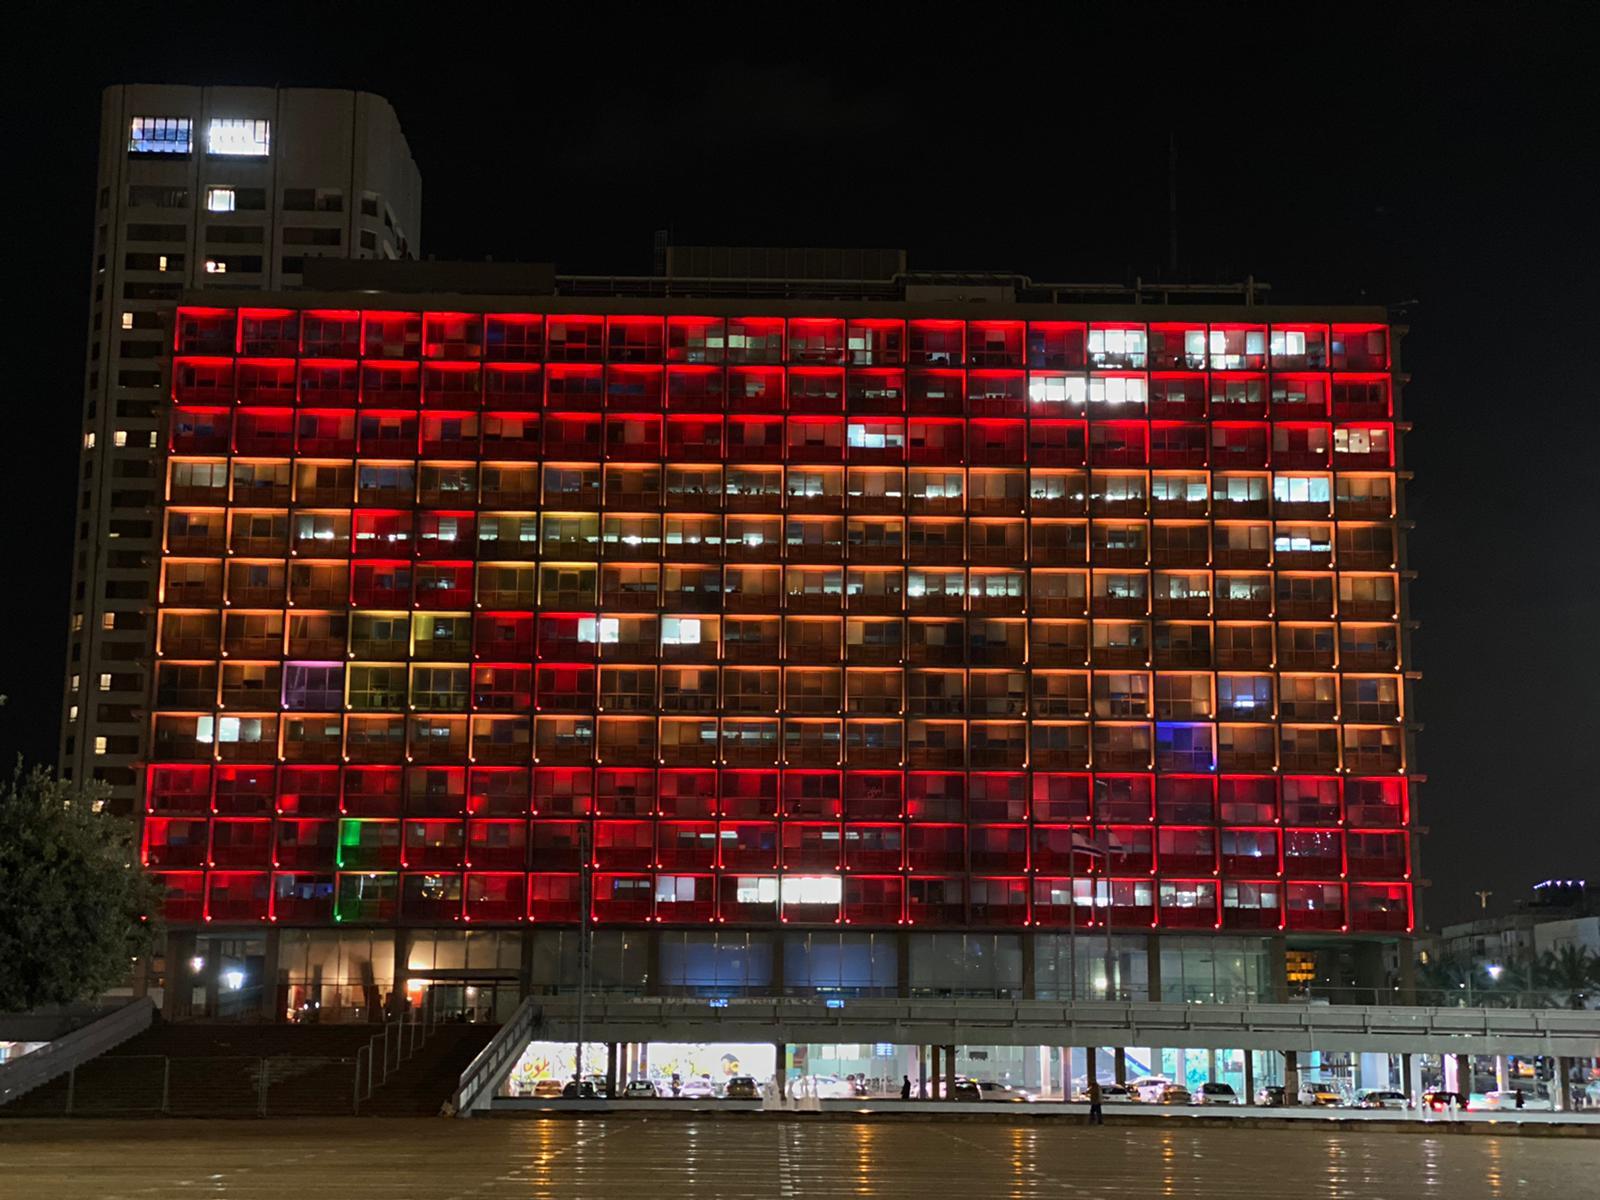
column 1495, row 970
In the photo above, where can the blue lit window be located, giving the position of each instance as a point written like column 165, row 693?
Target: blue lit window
column 160, row 135
column 238, row 137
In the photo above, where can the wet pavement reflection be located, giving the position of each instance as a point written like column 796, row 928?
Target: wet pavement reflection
column 786, row 1160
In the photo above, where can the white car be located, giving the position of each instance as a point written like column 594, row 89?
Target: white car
column 697, row 1089
column 1506, row 1101
column 831, row 1087
column 1382, row 1098
column 1215, row 1093
column 1148, row 1088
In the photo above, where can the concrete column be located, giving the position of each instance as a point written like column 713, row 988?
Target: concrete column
column 949, row 1072
column 652, row 962
column 525, row 963
column 176, row 998
column 1211, row 1065
column 611, row 1068
column 1449, row 1072
column 1249, row 1096
column 1372, row 1071
column 1559, row 1085
column 1119, row 1064
column 270, row 1000
column 1291, row 1077
column 1152, row 967
column 929, row 1062
column 1502, row 1073
column 1410, row 1077
column 1090, row 1066
column 1408, row 972
column 780, row 1070
column 1464, row 1074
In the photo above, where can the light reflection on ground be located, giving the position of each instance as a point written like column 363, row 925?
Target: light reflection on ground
column 490, row 1159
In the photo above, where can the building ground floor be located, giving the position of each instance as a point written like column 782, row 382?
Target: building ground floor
column 354, row 974
column 1041, row 1074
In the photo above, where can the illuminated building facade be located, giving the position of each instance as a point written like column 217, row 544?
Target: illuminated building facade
column 931, row 634
column 222, row 187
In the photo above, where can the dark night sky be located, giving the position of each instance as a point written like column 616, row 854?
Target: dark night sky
column 1441, row 155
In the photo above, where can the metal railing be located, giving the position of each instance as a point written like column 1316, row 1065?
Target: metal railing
column 384, row 1052
column 1394, row 1028
column 488, row 1070
column 64, row 1054
column 199, row 1086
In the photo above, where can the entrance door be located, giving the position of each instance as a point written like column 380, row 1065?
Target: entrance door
column 474, row 1001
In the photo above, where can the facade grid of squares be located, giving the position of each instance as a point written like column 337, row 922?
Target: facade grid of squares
column 754, row 619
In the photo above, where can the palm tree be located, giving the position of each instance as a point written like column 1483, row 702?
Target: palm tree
column 1572, row 971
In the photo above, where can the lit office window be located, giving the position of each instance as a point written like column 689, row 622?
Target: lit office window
column 219, row 199
column 216, row 267
column 160, row 135
column 119, row 438
column 239, row 137
column 100, row 745
column 127, row 320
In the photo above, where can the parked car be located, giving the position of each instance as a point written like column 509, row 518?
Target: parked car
column 1216, row 1093
column 741, row 1087
column 831, row 1087
column 966, row 1089
column 1271, row 1096
column 1506, row 1101
column 1380, row 1098
column 1441, row 1101
column 1110, row 1093
column 1321, row 1095
column 1148, row 1087
column 698, row 1089
column 640, row 1089
column 547, row 1089
column 988, row 1089
column 1173, row 1093
column 580, row 1090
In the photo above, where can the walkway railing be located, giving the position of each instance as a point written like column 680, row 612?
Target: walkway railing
column 63, row 1055
column 384, row 1052
column 1395, row 1028
column 486, row 1072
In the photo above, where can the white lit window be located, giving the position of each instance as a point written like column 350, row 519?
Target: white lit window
column 100, row 745
column 216, row 267
column 598, row 629
column 228, row 729
column 152, row 439
column 77, row 622
column 105, row 683
column 108, row 620
column 205, row 730
column 219, row 199
column 812, row 889
column 127, row 320
column 238, row 137
column 76, row 682
column 119, row 438
column 160, row 135
column 161, row 263
column 72, row 713
column 755, row 889
column 680, row 631
column 88, row 441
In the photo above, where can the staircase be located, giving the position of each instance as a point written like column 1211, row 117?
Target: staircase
column 425, row 1082
column 200, row 1070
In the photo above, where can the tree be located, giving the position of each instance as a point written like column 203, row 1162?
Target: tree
column 76, row 907
column 1572, row 972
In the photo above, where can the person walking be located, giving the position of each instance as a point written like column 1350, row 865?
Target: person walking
column 905, row 1087
column 1096, row 1116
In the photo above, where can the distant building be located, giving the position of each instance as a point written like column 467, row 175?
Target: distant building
column 228, row 188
